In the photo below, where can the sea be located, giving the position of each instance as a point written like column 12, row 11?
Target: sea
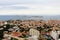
column 29, row 17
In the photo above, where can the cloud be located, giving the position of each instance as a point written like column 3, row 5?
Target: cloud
column 10, row 2
column 30, row 7
column 30, row 12
column 13, row 8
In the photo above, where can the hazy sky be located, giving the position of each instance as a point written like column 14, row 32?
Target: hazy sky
column 30, row 7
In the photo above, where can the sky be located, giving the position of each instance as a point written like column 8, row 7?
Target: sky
column 29, row 7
